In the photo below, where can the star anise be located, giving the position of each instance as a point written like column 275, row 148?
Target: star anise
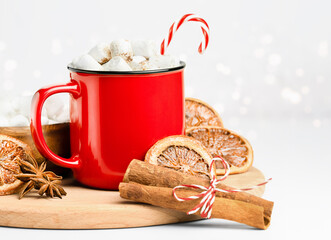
column 35, row 177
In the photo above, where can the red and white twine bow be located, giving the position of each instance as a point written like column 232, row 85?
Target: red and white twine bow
column 176, row 25
column 208, row 194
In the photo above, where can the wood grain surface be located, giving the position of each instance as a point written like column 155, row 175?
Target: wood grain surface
column 86, row 208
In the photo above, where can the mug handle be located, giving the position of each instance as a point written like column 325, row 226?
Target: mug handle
column 37, row 103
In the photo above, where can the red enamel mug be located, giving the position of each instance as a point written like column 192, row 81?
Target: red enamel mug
column 114, row 117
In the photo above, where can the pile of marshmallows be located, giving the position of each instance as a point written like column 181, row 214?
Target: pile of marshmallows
column 15, row 111
column 124, row 55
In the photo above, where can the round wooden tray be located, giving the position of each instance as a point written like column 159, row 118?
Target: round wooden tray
column 85, row 208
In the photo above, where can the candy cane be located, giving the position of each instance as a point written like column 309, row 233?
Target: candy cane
column 188, row 18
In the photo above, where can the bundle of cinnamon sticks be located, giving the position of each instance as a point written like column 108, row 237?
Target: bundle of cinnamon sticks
column 147, row 183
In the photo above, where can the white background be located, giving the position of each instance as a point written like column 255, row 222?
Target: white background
column 267, row 71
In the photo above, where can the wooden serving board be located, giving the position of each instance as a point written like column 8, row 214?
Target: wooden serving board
column 85, row 208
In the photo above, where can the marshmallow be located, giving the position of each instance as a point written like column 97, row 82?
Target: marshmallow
column 138, row 59
column 86, row 62
column 44, row 120
column 54, row 106
column 6, row 108
column 4, row 122
column 164, row 61
column 138, row 63
column 101, row 53
column 116, row 64
column 44, row 112
column 19, row 121
column 22, row 105
column 57, row 108
column 146, row 48
column 121, row 48
column 64, row 115
column 50, row 121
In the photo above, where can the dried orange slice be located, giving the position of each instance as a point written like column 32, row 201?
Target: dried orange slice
column 199, row 113
column 181, row 153
column 235, row 149
column 11, row 152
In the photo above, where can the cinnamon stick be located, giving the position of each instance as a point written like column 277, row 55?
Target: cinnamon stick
column 152, row 175
column 157, row 182
column 224, row 208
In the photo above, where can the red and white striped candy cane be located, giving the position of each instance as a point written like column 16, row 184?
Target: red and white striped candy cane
column 208, row 194
column 188, row 18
